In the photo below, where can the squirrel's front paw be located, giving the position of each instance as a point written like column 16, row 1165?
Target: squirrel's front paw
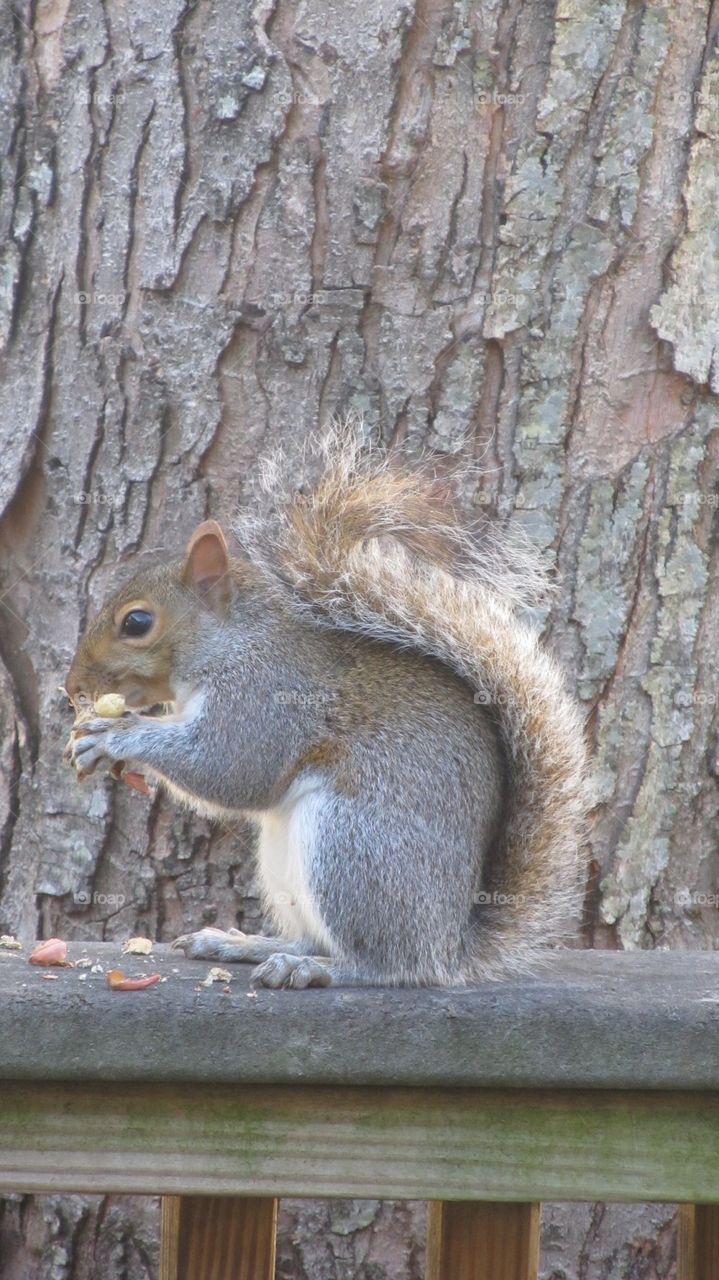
column 297, row 972
column 99, row 741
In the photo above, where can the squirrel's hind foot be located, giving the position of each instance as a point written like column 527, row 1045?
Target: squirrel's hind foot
column 298, row 972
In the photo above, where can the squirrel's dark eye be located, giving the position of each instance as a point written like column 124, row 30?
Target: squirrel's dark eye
column 136, row 623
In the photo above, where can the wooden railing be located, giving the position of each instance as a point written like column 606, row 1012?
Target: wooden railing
column 595, row 1079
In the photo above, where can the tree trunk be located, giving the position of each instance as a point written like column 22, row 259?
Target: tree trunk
column 491, row 229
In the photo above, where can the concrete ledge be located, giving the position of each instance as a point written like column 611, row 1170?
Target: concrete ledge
column 588, row 1020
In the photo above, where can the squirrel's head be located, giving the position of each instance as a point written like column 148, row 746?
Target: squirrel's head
column 130, row 646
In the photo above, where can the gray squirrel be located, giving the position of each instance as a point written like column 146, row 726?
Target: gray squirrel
column 359, row 682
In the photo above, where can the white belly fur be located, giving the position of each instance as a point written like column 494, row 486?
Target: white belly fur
column 284, row 856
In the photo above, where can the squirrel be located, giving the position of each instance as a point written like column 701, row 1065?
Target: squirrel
column 360, row 681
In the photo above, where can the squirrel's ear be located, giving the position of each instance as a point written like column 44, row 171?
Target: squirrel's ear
column 207, row 568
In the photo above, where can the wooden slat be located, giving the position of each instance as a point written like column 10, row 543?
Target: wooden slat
column 698, row 1243
column 480, row 1240
column 170, row 1237
column 218, row 1238
column 428, row 1144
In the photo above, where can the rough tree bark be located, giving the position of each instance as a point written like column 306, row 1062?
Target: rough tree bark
column 490, row 227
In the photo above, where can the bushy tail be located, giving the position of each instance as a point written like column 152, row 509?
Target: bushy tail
column 376, row 548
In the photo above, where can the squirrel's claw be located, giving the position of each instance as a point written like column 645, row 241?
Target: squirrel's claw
column 87, row 753
column 92, row 743
column 297, row 972
column 96, row 741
